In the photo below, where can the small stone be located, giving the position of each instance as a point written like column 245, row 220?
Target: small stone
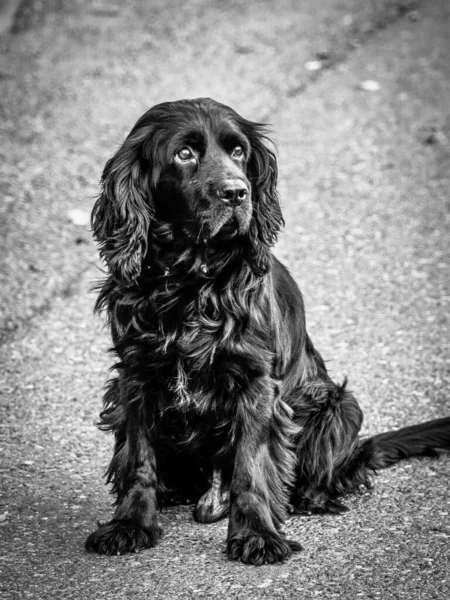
column 369, row 85
column 265, row 583
column 313, row 65
column 347, row 21
column 78, row 216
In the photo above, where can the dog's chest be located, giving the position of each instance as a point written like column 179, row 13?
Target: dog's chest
column 204, row 360
column 195, row 369
column 199, row 409
column 208, row 350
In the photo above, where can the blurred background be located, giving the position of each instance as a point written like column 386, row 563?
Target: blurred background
column 357, row 95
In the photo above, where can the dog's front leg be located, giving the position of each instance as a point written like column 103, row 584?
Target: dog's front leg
column 263, row 472
column 133, row 473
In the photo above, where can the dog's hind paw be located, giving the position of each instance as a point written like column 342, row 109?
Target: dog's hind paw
column 327, row 507
column 212, row 506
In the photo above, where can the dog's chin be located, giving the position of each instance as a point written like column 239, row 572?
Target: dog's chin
column 227, row 231
column 228, row 226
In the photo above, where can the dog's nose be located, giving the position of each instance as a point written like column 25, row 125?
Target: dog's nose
column 233, row 191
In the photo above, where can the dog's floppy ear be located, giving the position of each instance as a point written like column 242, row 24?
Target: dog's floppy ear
column 267, row 218
column 123, row 212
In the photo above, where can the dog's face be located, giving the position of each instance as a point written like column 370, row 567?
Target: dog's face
column 203, row 182
column 195, row 165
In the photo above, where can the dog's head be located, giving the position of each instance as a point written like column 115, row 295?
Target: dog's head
column 198, row 166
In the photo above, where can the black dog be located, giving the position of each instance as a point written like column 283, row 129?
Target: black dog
column 220, row 396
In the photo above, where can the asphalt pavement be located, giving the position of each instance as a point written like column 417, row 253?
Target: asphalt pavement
column 357, row 96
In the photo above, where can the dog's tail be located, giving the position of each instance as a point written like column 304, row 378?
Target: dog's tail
column 386, row 449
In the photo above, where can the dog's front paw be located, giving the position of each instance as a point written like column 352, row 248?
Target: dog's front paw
column 119, row 537
column 260, row 548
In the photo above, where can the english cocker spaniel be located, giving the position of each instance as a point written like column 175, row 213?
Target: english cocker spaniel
column 219, row 397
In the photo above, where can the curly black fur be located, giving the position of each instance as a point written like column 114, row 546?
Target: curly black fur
column 216, row 379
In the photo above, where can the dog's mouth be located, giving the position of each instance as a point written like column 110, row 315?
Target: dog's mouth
column 230, row 228
column 229, row 224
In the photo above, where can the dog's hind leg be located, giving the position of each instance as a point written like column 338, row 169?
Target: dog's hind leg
column 327, row 447
column 332, row 460
column 215, row 503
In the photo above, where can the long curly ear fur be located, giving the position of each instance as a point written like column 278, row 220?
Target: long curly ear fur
column 267, row 218
column 122, row 213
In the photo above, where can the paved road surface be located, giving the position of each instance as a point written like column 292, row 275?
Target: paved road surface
column 364, row 182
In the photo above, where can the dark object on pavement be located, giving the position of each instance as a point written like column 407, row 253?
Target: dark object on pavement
column 220, row 396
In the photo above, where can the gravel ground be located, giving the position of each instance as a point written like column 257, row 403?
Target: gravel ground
column 364, row 181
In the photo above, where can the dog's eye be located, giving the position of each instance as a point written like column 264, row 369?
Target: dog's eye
column 184, row 154
column 238, row 152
